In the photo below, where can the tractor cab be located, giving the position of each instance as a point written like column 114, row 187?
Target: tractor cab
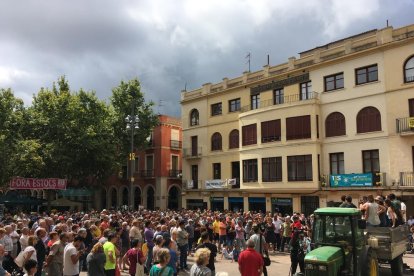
column 337, row 242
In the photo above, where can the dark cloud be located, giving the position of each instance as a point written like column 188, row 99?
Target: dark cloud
column 168, row 44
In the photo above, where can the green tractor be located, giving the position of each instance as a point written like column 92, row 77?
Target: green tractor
column 343, row 245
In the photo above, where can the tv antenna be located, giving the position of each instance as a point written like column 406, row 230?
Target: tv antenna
column 248, row 59
column 160, row 105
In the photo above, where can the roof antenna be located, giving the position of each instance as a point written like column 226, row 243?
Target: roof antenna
column 160, row 105
column 387, row 23
column 248, row 60
column 268, row 59
column 185, row 86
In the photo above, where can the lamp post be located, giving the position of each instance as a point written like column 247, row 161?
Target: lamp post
column 131, row 124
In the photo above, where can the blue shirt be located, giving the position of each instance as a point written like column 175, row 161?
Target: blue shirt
column 173, row 260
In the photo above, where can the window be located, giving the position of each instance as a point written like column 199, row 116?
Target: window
column 336, row 161
column 216, row 141
column 250, row 170
column 278, row 96
column 271, row 131
column 305, row 91
column 411, row 107
column 255, row 101
column 216, row 170
column 368, row 120
column 194, row 176
column 335, row 125
column 366, row 74
column 298, row 127
column 334, row 82
column 249, row 135
column 149, row 162
column 409, row 70
column 234, row 105
column 272, row 169
column 136, row 164
column 370, row 159
column 194, row 117
column 300, row 168
column 234, row 139
column 216, row 109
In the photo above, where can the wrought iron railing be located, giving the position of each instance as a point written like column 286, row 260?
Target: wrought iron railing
column 175, row 144
column 175, row 173
column 281, row 100
column 192, row 152
column 147, row 173
column 407, row 179
column 405, row 125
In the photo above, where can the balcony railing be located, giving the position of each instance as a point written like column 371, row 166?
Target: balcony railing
column 281, row 100
column 405, row 125
column 174, row 144
column 407, row 179
column 147, row 173
column 192, row 152
column 175, row 173
column 192, row 184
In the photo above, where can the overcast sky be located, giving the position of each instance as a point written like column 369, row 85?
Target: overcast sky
column 168, row 44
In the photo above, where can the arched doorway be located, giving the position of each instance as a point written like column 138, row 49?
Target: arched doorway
column 125, row 196
column 114, row 201
column 137, row 197
column 103, row 199
column 173, row 198
column 150, row 198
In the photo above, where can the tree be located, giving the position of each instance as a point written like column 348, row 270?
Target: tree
column 127, row 97
column 75, row 132
column 11, row 119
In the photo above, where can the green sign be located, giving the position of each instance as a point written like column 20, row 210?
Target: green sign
column 351, row 180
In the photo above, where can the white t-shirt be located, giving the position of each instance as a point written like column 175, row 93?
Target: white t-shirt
column 30, row 249
column 68, row 267
column 24, row 241
column 404, row 208
column 278, row 224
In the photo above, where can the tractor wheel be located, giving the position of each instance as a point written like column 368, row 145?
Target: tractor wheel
column 371, row 268
column 397, row 266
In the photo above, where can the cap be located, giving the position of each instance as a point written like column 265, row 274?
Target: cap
column 61, row 218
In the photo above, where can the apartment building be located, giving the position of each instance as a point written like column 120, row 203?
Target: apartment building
column 296, row 136
column 157, row 172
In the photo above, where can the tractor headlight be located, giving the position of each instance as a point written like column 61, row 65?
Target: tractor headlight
column 309, row 266
column 322, row 268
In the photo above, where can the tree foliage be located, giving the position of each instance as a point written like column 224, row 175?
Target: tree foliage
column 69, row 134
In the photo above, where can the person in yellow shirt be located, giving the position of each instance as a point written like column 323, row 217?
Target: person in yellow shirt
column 110, row 254
column 216, row 229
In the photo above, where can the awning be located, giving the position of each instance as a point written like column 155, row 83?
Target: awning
column 257, row 200
column 235, row 200
column 13, row 199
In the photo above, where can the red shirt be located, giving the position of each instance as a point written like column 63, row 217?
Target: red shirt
column 133, row 257
column 250, row 262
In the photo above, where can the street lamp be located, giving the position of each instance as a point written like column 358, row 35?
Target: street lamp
column 131, row 124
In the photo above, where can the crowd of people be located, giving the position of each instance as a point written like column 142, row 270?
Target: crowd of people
column 157, row 243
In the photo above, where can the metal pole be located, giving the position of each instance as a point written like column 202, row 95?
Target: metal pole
column 132, row 157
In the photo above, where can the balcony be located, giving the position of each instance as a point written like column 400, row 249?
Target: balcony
column 174, row 144
column 175, row 173
column 407, row 179
column 192, row 153
column 282, row 100
column 192, row 184
column 147, row 173
column 405, row 126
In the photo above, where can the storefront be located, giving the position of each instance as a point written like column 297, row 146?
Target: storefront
column 282, row 205
column 217, row 203
column 194, row 204
column 236, row 204
column 257, row 204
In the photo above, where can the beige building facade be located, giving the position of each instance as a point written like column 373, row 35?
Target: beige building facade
column 279, row 139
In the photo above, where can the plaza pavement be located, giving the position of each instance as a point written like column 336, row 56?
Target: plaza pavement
column 280, row 266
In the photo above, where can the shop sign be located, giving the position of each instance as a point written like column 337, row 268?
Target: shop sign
column 282, row 201
column 20, row 183
column 351, row 180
